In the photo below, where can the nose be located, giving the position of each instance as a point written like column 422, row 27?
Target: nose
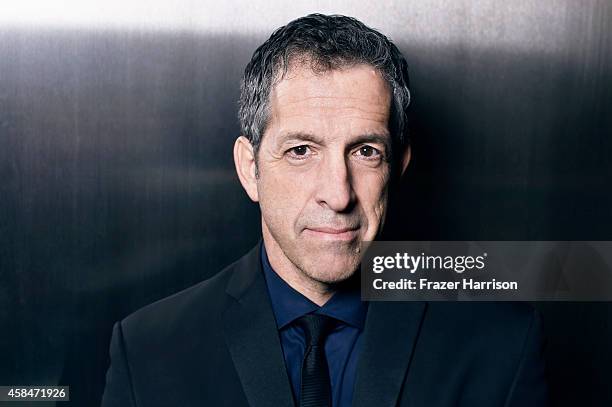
column 334, row 187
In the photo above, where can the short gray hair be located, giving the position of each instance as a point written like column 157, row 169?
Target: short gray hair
column 327, row 42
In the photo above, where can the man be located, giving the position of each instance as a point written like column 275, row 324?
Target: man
column 322, row 113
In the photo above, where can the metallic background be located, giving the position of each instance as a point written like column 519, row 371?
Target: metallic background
column 117, row 185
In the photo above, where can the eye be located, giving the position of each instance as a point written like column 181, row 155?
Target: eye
column 368, row 153
column 300, row 152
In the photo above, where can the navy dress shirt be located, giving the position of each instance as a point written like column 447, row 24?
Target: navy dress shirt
column 343, row 344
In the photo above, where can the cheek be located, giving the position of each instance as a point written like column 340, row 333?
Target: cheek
column 372, row 192
column 281, row 196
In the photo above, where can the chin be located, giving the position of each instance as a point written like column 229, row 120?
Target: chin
column 332, row 270
column 332, row 278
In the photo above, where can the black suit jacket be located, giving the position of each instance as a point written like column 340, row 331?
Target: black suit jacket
column 216, row 344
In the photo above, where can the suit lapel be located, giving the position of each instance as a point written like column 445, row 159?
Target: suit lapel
column 390, row 333
column 252, row 337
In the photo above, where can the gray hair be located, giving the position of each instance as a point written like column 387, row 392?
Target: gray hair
column 327, row 43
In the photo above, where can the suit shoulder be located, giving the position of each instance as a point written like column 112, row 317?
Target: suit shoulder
column 199, row 304
column 492, row 322
column 486, row 312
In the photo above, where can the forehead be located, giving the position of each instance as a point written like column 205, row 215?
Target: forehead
column 356, row 97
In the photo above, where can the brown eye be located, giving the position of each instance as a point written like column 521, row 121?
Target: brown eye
column 300, row 150
column 367, row 151
column 300, row 153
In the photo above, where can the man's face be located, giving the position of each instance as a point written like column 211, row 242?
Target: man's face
column 324, row 169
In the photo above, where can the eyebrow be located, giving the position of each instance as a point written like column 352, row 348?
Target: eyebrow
column 383, row 139
column 299, row 136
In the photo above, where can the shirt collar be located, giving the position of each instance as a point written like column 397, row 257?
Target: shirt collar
column 289, row 305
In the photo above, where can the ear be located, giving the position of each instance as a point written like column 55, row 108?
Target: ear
column 407, row 154
column 244, row 160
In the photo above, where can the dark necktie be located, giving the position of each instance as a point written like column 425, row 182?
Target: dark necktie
column 315, row 387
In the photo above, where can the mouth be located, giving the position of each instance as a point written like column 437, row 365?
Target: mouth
column 330, row 233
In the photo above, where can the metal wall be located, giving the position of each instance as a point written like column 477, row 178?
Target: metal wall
column 117, row 182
